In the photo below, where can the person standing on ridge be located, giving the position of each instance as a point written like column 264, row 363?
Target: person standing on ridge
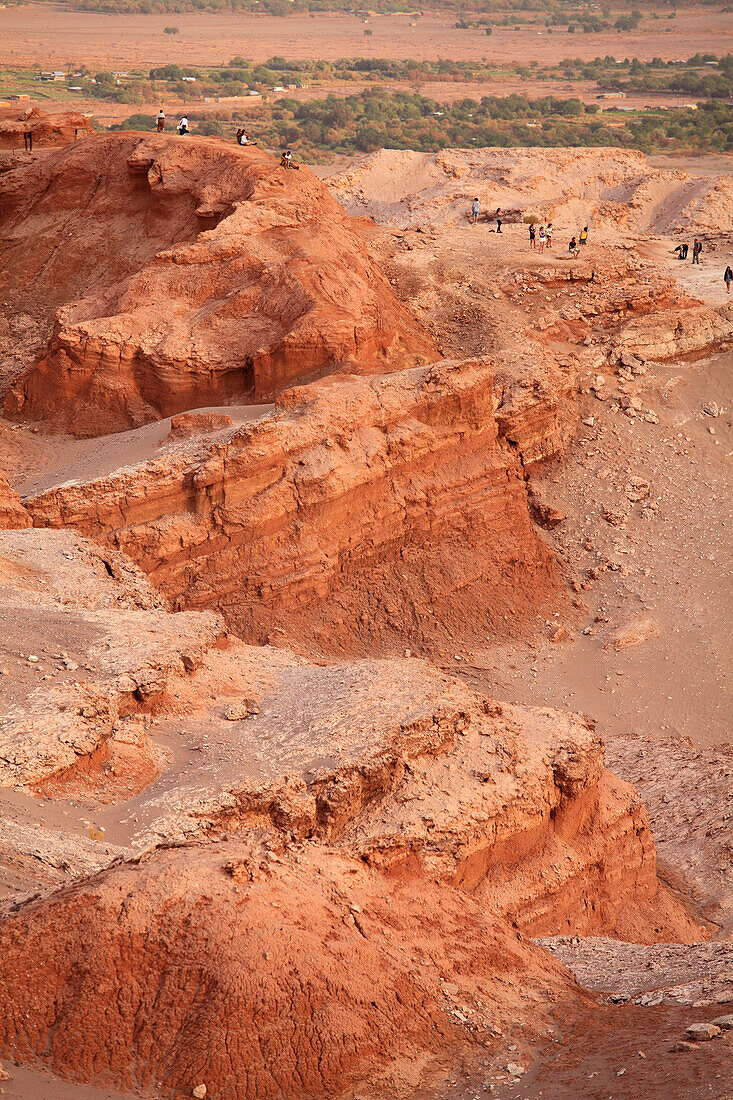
column 160, row 121
column 541, row 238
column 728, row 278
column 584, row 235
column 548, row 234
column 475, row 207
column 532, row 236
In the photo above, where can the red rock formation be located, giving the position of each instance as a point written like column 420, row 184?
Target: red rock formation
column 48, row 130
column 365, row 512
column 298, row 979
column 186, row 425
column 12, row 512
column 196, row 272
column 360, row 853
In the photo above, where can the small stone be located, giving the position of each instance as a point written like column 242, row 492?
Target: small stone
column 701, row 1033
column 237, row 712
column 514, row 1069
column 199, row 1092
column 72, row 666
column 32, row 659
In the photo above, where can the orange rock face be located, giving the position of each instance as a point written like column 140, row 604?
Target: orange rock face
column 365, row 512
column 196, row 273
column 47, row 130
column 12, row 512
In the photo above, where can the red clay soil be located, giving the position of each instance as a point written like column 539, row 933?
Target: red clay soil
column 624, row 1052
column 259, row 976
column 196, row 273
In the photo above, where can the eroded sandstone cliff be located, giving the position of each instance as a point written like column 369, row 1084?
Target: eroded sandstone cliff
column 364, row 512
column 329, row 893
column 195, row 273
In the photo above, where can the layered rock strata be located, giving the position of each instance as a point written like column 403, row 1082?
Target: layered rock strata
column 393, row 495
column 337, row 880
column 196, row 274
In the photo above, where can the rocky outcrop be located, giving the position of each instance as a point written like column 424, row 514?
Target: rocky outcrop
column 364, row 513
column 47, row 129
column 12, row 512
column 331, row 894
column 197, row 273
column 611, row 187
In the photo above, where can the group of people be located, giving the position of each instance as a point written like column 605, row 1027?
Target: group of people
column 539, row 239
column 182, row 126
column 286, row 157
column 682, row 251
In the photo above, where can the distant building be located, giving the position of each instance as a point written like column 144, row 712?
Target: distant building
column 19, row 95
column 49, row 76
column 611, row 95
column 189, row 79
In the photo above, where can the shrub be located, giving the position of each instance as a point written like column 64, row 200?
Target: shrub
column 171, row 30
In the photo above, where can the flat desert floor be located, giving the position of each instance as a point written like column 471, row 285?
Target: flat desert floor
column 52, row 35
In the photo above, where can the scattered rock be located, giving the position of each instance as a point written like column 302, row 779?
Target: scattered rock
column 237, row 712
column 199, row 1092
column 633, row 634
column 701, row 1033
column 725, row 1023
column 678, row 1048
column 637, row 488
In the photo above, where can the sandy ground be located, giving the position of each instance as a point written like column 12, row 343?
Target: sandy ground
column 58, row 459
column 29, row 1084
column 52, row 35
column 673, row 570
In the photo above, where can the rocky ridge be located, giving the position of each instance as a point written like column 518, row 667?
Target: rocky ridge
column 197, row 273
column 396, row 789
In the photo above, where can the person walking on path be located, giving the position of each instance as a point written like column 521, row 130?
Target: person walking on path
column 541, row 238
column 728, row 278
column 696, row 250
column 498, row 221
column 160, row 121
column 584, row 235
column 532, row 236
column 475, row 207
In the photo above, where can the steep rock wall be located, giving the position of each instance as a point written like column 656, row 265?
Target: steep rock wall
column 363, row 511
